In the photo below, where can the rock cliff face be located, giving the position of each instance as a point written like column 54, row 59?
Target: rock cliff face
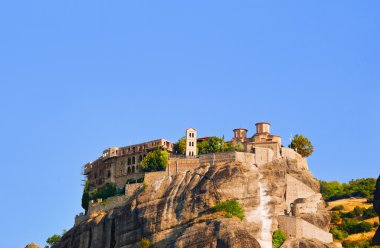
column 175, row 210
column 376, row 206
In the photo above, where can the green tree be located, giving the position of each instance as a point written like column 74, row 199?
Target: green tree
column 331, row 190
column 338, row 233
column 180, row 146
column 86, row 195
column 278, row 238
column 156, row 160
column 54, row 239
column 302, row 145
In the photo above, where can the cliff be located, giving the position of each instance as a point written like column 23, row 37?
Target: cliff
column 174, row 211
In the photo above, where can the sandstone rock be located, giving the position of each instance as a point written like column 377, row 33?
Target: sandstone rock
column 304, row 243
column 376, row 206
column 174, row 211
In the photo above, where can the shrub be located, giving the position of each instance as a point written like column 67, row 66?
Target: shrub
column 156, row 160
column 356, row 244
column 278, row 238
column 338, row 233
column 369, row 213
column 231, row 207
column 358, row 211
column 352, row 226
column 145, row 243
column 335, row 217
column 338, row 208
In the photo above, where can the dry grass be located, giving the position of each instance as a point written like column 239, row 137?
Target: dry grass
column 350, row 204
column 361, row 236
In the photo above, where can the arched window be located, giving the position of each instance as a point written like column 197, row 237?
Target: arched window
column 140, row 158
column 133, row 169
column 133, row 160
column 129, row 161
column 129, row 170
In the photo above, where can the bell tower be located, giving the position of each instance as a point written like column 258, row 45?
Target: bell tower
column 191, row 142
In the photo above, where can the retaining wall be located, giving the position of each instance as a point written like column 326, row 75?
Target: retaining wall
column 299, row 228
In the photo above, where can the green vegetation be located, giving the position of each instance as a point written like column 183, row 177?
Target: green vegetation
column 52, row 240
column 338, row 208
column 217, row 144
column 356, row 244
column 334, row 190
column 180, row 146
column 278, row 238
column 156, row 160
column 350, row 226
column 108, row 191
column 302, row 145
column 338, row 233
column 145, row 243
column 231, row 207
column 86, row 196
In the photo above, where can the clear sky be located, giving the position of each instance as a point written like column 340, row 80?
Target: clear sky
column 79, row 76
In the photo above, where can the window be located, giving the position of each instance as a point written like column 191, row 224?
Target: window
column 189, row 143
column 129, row 161
column 109, row 174
column 133, row 160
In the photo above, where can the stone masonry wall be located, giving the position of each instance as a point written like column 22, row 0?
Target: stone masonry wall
column 296, row 189
column 299, row 228
column 108, row 204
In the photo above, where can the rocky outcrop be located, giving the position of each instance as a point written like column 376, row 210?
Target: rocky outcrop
column 376, row 206
column 304, row 243
column 32, row 245
column 174, row 211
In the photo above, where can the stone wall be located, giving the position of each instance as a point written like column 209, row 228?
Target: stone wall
column 296, row 189
column 80, row 218
column 151, row 177
column 307, row 205
column 299, row 228
column 108, row 204
column 180, row 164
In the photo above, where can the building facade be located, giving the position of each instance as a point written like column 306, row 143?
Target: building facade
column 119, row 165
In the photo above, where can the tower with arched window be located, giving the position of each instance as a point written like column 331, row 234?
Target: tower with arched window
column 191, row 142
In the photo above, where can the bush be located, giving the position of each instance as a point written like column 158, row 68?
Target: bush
column 156, row 160
column 145, row 243
column 278, row 238
column 335, row 217
column 369, row 213
column 358, row 211
column 231, row 207
column 356, row 244
column 352, row 226
column 338, row 208
column 180, row 146
column 108, row 191
column 338, row 233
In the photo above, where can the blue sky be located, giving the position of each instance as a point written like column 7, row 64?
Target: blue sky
column 79, row 76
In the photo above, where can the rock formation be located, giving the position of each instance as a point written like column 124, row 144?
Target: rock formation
column 376, row 206
column 174, row 211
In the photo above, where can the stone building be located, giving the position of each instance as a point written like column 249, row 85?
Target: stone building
column 262, row 138
column 120, row 165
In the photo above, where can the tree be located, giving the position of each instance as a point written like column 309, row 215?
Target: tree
column 156, row 160
column 302, row 145
column 86, row 195
column 54, row 239
column 180, row 146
